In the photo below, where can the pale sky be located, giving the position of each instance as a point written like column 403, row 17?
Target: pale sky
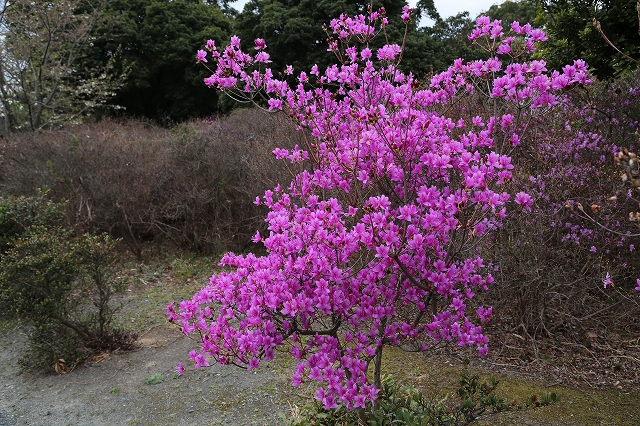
column 446, row 8
column 452, row 7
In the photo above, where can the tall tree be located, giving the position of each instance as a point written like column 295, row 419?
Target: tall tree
column 574, row 34
column 293, row 31
column 518, row 10
column 157, row 40
column 450, row 36
column 42, row 46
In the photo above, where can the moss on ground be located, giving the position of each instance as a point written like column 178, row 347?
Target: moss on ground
column 436, row 377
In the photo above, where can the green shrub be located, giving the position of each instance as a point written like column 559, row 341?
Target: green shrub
column 19, row 213
column 38, row 272
column 407, row 406
column 61, row 285
column 54, row 347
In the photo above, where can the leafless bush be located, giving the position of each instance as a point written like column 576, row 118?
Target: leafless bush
column 205, row 197
column 555, row 262
column 193, row 185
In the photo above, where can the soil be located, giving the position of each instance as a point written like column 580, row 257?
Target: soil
column 112, row 389
column 599, row 386
column 115, row 389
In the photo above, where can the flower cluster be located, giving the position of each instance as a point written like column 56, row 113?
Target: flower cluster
column 490, row 36
column 583, row 194
column 373, row 242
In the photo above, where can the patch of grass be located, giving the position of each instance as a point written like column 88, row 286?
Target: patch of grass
column 573, row 406
column 155, row 283
column 155, row 379
column 187, row 267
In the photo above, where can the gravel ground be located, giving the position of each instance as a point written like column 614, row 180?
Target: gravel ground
column 114, row 390
column 5, row 420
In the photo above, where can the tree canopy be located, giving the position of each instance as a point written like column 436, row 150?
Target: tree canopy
column 293, row 31
column 157, row 41
column 293, row 28
column 44, row 80
column 573, row 33
column 519, row 10
column 153, row 44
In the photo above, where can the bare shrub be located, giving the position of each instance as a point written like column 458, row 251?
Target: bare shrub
column 555, row 261
column 102, row 169
column 218, row 167
column 191, row 185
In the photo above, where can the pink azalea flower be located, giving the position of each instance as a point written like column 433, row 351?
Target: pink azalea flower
column 606, row 281
column 179, row 369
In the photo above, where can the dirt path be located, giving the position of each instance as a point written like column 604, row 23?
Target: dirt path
column 114, row 391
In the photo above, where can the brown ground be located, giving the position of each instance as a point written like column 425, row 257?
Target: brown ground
column 597, row 385
column 112, row 389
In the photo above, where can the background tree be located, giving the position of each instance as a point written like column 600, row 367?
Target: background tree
column 293, row 31
column 572, row 34
column 42, row 44
column 450, row 39
column 157, row 39
column 522, row 11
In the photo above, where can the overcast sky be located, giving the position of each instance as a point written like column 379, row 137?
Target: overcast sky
column 446, row 8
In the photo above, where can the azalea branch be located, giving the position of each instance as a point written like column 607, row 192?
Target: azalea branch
column 598, row 27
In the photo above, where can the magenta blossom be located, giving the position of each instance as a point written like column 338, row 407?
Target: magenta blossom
column 372, row 242
column 201, row 56
column 524, row 200
column 606, row 281
column 179, row 369
column 260, row 44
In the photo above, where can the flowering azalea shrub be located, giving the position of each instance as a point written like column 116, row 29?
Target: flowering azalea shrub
column 376, row 240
